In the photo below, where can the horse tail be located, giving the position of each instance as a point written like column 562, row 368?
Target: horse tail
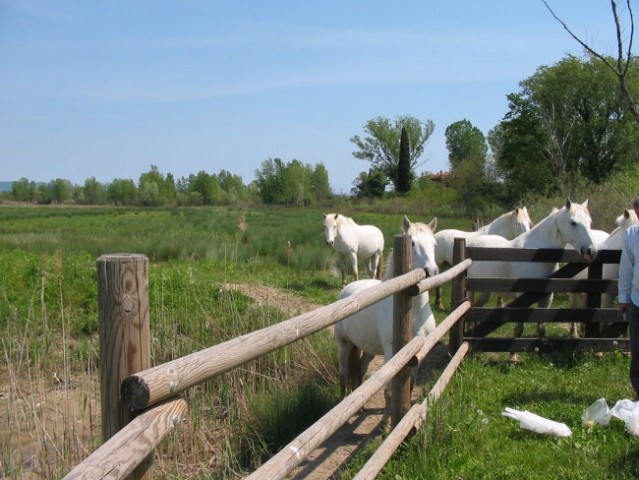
column 380, row 267
column 352, row 374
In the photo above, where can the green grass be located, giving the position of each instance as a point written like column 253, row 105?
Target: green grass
column 48, row 310
column 467, row 437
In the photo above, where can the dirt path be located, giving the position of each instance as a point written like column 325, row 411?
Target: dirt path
column 332, row 457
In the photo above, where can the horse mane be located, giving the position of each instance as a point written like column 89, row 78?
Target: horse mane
column 522, row 213
column 342, row 218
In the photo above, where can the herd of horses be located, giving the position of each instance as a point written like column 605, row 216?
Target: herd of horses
column 369, row 332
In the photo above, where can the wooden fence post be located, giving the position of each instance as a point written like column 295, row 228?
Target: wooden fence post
column 125, row 339
column 457, row 296
column 402, row 327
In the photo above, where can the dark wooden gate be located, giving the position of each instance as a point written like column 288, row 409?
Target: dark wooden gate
column 603, row 327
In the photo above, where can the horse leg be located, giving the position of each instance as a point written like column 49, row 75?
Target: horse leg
column 353, row 379
column 370, row 269
column 576, row 301
column 342, row 269
column 543, row 303
column 346, row 353
column 354, row 271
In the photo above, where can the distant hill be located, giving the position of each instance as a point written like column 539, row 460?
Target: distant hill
column 5, row 186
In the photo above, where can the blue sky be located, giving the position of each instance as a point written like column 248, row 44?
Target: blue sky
column 107, row 89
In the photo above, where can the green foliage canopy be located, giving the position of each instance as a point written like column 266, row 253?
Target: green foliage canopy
column 381, row 146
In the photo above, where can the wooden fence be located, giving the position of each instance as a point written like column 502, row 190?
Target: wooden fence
column 141, row 405
column 603, row 326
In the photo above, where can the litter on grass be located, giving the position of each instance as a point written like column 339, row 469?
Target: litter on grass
column 597, row 413
column 532, row 421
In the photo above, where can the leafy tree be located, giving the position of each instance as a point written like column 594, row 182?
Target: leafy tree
column 233, row 186
column 465, row 142
column 370, row 185
column 23, row 190
column 381, row 146
column 155, row 188
column 522, row 138
column 404, row 179
column 319, row 182
column 293, row 183
column 568, row 121
column 207, row 186
column 269, row 180
column 122, row 192
column 60, row 190
column 94, row 193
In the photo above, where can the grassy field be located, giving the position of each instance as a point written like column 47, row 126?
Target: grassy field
column 48, row 322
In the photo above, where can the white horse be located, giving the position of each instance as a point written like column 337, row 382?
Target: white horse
column 609, row 271
column 508, row 225
column 371, row 330
column 353, row 242
column 569, row 225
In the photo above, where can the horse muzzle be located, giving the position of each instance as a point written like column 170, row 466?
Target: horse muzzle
column 588, row 253
column 329, row 243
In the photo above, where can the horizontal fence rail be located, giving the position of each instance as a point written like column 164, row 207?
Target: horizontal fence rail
column 153, row 392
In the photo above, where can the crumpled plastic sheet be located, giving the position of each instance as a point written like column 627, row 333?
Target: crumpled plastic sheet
column 628, row 412
column 536, row 423
column 598, row 412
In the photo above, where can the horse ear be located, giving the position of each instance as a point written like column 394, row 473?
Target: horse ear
column 585, row 204
column 405, row 224
column 568, row 203
column 433, row 224
column 626, row 213
column 336, row 215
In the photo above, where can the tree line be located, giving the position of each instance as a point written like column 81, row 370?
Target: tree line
column 278, row 182
column 568, row 126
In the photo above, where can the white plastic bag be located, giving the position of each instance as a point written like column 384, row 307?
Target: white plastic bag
column 598, row 412
column 534, row 422
column 628, row 412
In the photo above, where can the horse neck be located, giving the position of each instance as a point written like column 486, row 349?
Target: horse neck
column 545, row 234
column 615, row 240
column 344, row 223
column 500, row 226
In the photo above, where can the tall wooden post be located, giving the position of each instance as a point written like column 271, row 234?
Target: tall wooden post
column 402, row 327
column 457, row 296
column 125, row 339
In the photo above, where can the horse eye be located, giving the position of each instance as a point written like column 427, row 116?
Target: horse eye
column 573, row 223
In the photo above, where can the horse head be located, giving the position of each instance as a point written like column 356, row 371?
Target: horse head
column 330, row 227
column 627, row 218
column 574, row 225
column 423, row 243
column 522, row 222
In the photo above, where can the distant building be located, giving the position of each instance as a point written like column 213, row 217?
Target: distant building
column 444, row 178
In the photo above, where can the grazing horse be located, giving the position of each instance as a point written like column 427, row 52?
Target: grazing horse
column 569, row 225
column 352, row 243
column 508, row 225
column 371, row 329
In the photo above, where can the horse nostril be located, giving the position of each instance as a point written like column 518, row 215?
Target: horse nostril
column 588, row 253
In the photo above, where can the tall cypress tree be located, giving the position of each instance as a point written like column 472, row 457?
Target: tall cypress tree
column 403, row 167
